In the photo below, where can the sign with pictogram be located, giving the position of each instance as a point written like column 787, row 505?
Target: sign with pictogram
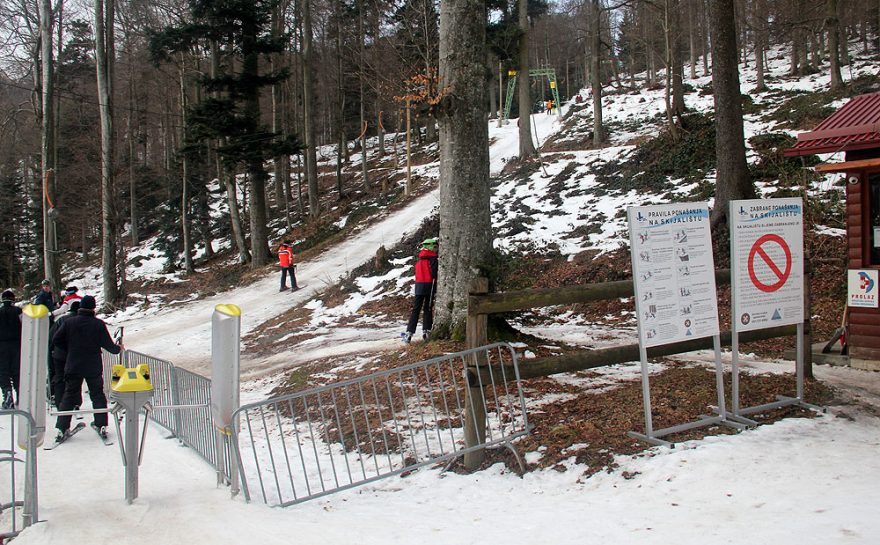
column 673, row 272
column 767, row 264
column 863, row 287
column 779, row 273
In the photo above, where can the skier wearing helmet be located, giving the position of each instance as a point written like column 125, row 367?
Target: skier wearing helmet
column 426, row 282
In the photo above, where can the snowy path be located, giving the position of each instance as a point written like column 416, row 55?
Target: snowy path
column 798, row 482
column 183, row 335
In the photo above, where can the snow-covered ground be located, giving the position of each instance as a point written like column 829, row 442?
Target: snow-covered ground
column 799, row 481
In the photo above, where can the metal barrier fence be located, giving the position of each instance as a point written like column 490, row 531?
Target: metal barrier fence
column 191, row 422
column 20, row 508
column 313, row 443
column 194, row 426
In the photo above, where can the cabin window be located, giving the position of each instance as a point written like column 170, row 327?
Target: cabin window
column 874, row 218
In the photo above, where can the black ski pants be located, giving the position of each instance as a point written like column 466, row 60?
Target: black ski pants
column 292, row 272
column 422, row 302
column 10, row 365
column 73, row 398
column 56, row 380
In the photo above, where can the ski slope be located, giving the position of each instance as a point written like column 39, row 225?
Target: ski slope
column 183, row 335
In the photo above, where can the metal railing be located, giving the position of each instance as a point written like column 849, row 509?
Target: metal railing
column 312, row 443
column 19, row 505
column 188, row 393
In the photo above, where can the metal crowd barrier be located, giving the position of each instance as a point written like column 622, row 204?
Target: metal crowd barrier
column 312, row 443
column 19, row 505
column 173, row 386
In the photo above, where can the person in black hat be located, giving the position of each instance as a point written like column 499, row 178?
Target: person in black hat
column 10, row 347
column 59, row 357
column 82, row 337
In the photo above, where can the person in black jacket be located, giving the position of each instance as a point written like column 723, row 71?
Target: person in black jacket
column 82, row 337
column 46, row 297
column 59, row 357
column 10, row 347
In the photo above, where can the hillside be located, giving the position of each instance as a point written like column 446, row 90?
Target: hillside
column 558, row 221
column 556, row 225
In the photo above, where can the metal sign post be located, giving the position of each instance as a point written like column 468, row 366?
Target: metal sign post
column 767, row 283
column 674, row 281
column 131, row 389
column 225, row 364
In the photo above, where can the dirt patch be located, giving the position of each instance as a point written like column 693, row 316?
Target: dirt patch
column 592, row 427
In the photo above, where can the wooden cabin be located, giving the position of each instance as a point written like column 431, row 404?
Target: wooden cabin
column 855, row 130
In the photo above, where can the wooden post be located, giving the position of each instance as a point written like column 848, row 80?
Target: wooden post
column 474, row 405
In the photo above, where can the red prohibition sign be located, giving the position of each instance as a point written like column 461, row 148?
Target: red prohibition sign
column 758, row 249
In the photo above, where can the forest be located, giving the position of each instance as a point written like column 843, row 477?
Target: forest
column 122, row 120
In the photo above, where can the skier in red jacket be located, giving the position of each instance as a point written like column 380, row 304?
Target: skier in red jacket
column 285, row 261
column 426, row 284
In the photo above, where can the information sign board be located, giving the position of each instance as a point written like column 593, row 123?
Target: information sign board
column 863, row 287
column 673, row 272
column 767, row 262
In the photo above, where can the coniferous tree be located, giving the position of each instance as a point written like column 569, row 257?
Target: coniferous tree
column 243, row 30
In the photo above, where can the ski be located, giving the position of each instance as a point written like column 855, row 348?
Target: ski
column 105, row 437
column 67, row 436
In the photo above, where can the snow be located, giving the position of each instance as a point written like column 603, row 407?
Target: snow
column 799, row 481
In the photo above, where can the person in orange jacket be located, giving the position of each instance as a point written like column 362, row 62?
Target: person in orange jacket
column 285, row 261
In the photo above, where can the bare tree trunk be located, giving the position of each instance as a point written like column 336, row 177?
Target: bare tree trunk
column 704, row 36
column 184, row 193
column 51, row 267
column 311, row 157
column 678, row 105
column 380, row 131
column 132, row 170
column 244, row 256
column 256, row 172
column 408, row 188
column 668, row 61
column 228, row 179
column 361, row 38
column 832, row 24
column 759, row 19
column 465, row 224
column 104, row 52
column 692, row 44
column 340, row 104
column 732, row 180
column 595, row 72
column 277, row 113
column 526, row 146
column 493, row 99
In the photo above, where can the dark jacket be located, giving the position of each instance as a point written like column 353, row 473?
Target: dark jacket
column 46, row 299
column 426, row 271
column 10, row 323
column 82, row 337
column 57, row 352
